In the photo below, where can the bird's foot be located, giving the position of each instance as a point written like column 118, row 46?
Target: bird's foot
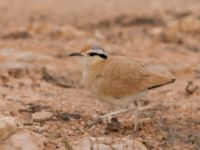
column 138, row 122
column 108, row 119
column 114, row 125
column 105, row 120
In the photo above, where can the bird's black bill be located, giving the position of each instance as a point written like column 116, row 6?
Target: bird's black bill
column 75, row 54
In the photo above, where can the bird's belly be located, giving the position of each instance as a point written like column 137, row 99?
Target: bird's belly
column 123, row 101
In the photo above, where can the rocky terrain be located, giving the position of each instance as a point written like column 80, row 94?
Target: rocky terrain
column 43, row 104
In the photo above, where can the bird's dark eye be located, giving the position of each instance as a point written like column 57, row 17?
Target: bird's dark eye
column 92, row 54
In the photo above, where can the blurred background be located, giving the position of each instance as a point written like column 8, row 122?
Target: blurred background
column 40, row 86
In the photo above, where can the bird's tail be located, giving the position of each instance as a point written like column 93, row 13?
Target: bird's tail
column 158, row 80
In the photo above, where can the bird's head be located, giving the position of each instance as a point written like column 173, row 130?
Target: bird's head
column 91, row 53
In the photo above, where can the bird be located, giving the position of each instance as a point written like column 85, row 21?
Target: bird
column 116, row 80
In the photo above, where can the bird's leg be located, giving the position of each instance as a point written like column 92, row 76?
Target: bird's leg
column 138, row 121
column 110, row 116
column 136, row 112
column 135, row 122
column 114, row 113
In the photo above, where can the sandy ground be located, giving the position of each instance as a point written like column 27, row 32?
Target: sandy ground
column 36, row 74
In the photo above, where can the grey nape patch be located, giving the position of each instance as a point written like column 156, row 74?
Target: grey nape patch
column 97, row 47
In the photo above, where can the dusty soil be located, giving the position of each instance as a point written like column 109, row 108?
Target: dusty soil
column 36, row 74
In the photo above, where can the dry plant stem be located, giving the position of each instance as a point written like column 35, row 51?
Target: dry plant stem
column 190, row 89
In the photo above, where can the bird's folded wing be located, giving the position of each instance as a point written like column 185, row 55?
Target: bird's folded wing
column 124, row 78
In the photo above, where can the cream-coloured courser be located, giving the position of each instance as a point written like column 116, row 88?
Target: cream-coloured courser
column 116, row 80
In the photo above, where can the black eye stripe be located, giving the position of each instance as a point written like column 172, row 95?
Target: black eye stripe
column 92, row 54
column 96, row 54
column 103, row 56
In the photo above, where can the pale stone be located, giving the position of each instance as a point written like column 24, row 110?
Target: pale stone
column 124, row 144
column 41, row 116
column 102, row 147
column 85, row 144
column 138, row 145
column 23, row 140
column 108, row 143
column 8, row 126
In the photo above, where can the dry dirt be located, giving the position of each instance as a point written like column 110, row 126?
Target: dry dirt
column 36, row 74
